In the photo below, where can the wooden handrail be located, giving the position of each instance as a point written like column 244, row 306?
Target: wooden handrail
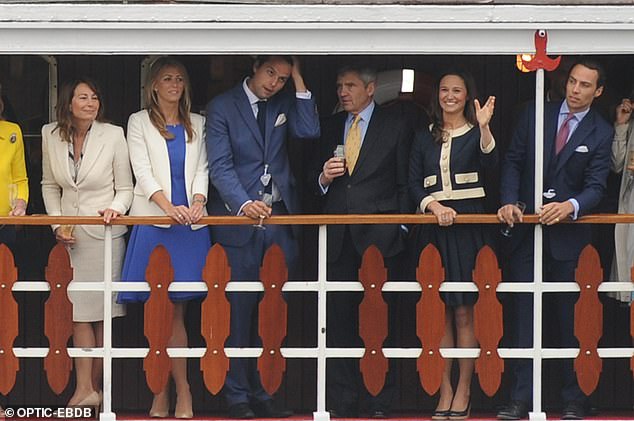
column 603, row 218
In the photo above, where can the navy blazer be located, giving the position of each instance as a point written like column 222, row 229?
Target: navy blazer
column 237, row 153
column 580, row 172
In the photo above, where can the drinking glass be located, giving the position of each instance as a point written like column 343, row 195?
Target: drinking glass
column 506, row 229
column 13, row 195
column 66, row 230
column 267, row 198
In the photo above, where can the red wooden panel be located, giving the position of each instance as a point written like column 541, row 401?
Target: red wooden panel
column 215, row 319
column 272, row 319
column 430, row 319
column 373, row 320
column 588, row 319
column 9, row 364
column 487, row 315
column 58, row 318
column 157, row 323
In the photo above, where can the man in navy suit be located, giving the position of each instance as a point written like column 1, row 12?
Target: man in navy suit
column 375, row 183
column 577, row 144
column 247, row 129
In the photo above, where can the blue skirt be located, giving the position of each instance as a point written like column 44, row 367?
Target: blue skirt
column 188, row 251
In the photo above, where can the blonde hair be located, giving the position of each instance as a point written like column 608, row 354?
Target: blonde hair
column 151, row 99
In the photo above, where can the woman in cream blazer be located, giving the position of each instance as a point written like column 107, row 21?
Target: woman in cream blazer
column 86, row 171
column 169, row 160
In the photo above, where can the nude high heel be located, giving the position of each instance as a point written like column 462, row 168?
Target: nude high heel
column 160, row 405
column 184, row 406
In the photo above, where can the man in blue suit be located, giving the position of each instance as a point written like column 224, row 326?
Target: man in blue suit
column 577, row 144
column 249, row 168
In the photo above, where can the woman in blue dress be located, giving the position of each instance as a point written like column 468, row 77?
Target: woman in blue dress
column 446, row 178
column 169, row 160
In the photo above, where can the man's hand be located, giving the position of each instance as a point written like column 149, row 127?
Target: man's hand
column 333, row 168
column 510, row 214
column 555, row 212
column 296, row 74
column 257, row 210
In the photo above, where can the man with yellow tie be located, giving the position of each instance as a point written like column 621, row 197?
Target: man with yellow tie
column 370, row 178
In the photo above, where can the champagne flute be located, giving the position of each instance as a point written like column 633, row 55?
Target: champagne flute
column 267, row 198
column 506, row 229
column 13, row 195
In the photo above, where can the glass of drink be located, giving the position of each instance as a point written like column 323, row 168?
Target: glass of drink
column 506, row 229
column 66, row 230
column 13, row 195
column 340, row 152
column 267, row 198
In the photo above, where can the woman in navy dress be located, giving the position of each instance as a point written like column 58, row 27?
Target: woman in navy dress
column 169, row 160
column 446, row 178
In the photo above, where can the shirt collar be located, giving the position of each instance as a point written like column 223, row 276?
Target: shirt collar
column 365, row 114
column 578, row 116
column 253, row 99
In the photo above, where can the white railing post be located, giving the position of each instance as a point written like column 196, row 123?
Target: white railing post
column 322, row 294
column 107, row 414
column 537, row 413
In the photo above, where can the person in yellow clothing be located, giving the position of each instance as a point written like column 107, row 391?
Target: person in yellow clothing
column 14, row 186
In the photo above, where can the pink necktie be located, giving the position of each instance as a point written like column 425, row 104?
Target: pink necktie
column 562, row 134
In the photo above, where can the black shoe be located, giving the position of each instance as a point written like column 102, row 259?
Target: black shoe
column 515, row 410
column 335, row 413
column 266, row 409
column 461, row 415
column 574, row 410
column 379, row 414
column 241, row 411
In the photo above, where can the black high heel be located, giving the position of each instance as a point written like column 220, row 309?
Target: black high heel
column 442, row 414
column 461, row 415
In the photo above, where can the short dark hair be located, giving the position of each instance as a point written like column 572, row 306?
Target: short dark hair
column 260, row 60
column 593, row 65
column 366, row 73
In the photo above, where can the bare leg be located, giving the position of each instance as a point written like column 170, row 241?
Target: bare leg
column 465, row 338
column 97, row 364
column 446, row 391
column 83, row 337
column 179, row 365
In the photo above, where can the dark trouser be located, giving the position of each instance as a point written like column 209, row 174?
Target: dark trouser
column 345, row 386
column 243, row 380
column 560, row 304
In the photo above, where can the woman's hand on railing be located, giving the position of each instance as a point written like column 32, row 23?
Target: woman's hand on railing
column 196, row 211
column 108, row 215
column 19, row 209
column 181, row 214
column 510, row 214
column 444, row 214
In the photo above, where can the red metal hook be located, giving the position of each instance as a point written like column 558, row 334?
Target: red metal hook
column 540, row 59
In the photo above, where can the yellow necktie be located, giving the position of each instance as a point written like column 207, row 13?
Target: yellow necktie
column 353, row 144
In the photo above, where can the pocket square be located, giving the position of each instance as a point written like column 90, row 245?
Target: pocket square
column 582, row 149
column 281, row 119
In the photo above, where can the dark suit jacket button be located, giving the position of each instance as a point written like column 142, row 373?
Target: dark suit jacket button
column 349, row 186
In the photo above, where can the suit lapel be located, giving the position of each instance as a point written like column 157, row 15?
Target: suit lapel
column 244, row 109
column 550, row 133
column 584, row 128
column 92, row 151
column 61, row 151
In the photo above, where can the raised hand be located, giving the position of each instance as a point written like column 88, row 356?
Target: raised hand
column 484, row 113
column 624, row 111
